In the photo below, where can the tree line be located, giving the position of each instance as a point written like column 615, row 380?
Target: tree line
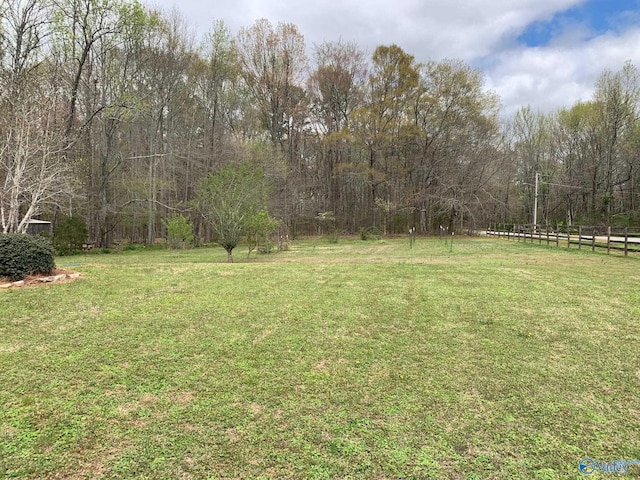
column 113, row 112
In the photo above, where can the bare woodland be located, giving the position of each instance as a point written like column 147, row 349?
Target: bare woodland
column 114, row 112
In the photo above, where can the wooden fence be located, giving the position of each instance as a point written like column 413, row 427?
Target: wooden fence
column 626, row 239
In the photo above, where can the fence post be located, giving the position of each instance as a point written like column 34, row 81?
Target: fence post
column 568, row 236
column 533, row 229
column 539, row 234
column 579, row 237
column 626, row 241
column 547, row 235
column 608, row 239
column 593, row 240
column 557, row 236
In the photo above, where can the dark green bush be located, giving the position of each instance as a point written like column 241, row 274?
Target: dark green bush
column 69, row 236
column 22, row 255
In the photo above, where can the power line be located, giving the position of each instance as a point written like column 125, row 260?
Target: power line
column 557, row 185
column 566, row 186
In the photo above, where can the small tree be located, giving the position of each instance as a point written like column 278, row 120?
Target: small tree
column 70, row 234
column 179, row 232
column 227, row 200
column 259, row 227
column 327, row 223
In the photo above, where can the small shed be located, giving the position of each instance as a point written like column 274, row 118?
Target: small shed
column 36, row 227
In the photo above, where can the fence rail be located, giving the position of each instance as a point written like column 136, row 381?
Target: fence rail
column 626, row 239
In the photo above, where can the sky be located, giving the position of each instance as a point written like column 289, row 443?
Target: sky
column 545, row 54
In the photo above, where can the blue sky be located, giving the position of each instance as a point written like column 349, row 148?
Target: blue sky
column 546, row 54
column 593, row 18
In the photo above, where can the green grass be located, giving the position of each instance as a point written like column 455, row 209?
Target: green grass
column 358, row 359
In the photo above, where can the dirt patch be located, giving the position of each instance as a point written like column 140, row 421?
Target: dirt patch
column 321, row 366
column 56, row 276
column 185, row 398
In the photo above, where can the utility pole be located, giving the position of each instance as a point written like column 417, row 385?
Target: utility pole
column 535, row 204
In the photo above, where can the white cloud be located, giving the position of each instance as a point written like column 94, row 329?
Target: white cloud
column 481, row 32
column 433, row 29
column 561, row 74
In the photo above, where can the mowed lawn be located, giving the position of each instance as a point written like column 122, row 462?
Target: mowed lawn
column 495, row 359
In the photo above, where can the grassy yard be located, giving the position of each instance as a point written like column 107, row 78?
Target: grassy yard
column 350, row 360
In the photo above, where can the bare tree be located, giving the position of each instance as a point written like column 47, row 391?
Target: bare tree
column 618, row 95
column 33, row 173
column 274, row 66
column 336, row 88
column 454, row 145
column 32, row 170
column 379, row 127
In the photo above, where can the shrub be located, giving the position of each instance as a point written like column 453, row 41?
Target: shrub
column 22, row 255
column 369, row 233
column 179, row 232
column 69, row 236
column 259, row 228
column 333, row 237
column 140, row 247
